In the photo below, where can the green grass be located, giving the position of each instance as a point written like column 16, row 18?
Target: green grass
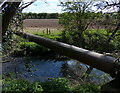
column 52, row 34
column 42, row 32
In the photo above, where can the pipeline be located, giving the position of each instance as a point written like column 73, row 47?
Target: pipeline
column 96, row 60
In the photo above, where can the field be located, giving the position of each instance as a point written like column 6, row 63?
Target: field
column 53, row 24
column 42, row 23
column 42, row 26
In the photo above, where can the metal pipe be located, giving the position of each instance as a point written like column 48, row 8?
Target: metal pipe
column 96, row 60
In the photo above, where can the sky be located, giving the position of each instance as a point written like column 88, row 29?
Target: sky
column 46, row 6
column 51, row 6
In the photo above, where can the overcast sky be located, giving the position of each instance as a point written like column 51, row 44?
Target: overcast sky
column 47, row 6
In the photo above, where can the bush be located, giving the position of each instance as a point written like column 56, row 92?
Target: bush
column 29, row 48
column 53, row 85
column 98, row 40
column 36, row 87
column 21, row 85
column 56, row 84
column 87, row 88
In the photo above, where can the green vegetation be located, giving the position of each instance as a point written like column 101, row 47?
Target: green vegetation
column 42, row 32
column 77, row 21
column 93, row 40
column 98, row 40
column 54, row 36
column 98, row 15
column 52, row 85
column 20, row 85
column 24, row 47
column 40, row 15
column 29, row 48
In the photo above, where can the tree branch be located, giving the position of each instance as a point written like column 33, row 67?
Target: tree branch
column 26, row 4
column 114, row 32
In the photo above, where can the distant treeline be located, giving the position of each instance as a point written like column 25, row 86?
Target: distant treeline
column 41, row 15
column 98, row 15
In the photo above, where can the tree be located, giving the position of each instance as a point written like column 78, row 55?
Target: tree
column 78, row 17
column 114, row 22
column 8, row 13
column 116, row 6
column 75, row 20
column 11, row 21
column 9, row 10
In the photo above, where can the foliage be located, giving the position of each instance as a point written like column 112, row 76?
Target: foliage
column 75, row 20
column 52, row 85
column 24, row 47
column 93, row 40
column 97, row 40
column 20, row 85
column 40, row 15
column 87, row 88
column 57, row 84
column 29, row 48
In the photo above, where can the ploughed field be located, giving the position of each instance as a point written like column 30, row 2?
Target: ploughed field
column 42, row 23
column 53, row 24
column 43, row 26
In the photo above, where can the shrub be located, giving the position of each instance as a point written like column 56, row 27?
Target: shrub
column 87, row 88
column 15, row 85
column 36, row 87
column 29, row 48
column 56, row 84
column 53, row 85
column 20, row 86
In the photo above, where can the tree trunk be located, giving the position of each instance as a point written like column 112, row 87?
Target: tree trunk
column 8, row 15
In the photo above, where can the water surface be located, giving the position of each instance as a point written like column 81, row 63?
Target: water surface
column 34, row 68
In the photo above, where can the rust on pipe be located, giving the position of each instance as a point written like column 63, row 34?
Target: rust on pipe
column 96, row 60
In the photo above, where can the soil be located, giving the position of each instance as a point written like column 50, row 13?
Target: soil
column 42, row 23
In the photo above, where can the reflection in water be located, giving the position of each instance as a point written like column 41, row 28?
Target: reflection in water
column 33, row 68
column 77, row 70
column 73, row 68
column 36, row 69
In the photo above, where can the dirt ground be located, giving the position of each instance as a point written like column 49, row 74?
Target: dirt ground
column 42, row 23
column 53, row 24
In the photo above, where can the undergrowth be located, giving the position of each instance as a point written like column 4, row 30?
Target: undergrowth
column 52, row 85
